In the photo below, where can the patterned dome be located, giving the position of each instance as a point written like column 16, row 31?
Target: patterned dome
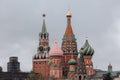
column 72, row 62
column 87, row 49
column 55, row 50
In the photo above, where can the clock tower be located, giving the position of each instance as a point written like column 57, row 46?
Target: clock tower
column 41, row 58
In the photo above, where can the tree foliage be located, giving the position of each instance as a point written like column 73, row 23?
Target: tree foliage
column 34, row 76
column 107, row 76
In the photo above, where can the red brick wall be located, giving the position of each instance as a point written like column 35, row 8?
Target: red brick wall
column 66, row 58
column 89, row 65
column 41, row 67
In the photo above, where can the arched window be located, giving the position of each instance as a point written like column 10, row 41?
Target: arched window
column 80, row 78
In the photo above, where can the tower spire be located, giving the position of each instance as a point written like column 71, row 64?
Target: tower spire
column 69, row 30
column 44, row 30
column 42, row 55
column 69, row 45
column 69, row 38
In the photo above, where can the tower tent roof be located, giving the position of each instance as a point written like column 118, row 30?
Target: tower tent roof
column 69, row 35
column 44, row 30
column 69, row 30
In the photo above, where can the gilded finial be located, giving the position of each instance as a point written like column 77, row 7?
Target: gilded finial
column 68, row 13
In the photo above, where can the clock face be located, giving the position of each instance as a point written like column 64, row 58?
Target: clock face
column 41, row 48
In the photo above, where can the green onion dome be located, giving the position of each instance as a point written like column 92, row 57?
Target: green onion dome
column 87, row 49
column 72, row 62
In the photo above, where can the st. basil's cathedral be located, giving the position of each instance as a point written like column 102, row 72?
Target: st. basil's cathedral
column 65, row 62
column 59, row 63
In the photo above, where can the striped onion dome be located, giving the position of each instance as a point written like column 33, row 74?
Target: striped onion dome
column 87, row 49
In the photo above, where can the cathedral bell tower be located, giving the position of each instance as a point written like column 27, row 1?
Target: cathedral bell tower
column 41, row 58
column 69, row 45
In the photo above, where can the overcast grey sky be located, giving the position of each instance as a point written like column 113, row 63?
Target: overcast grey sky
column 21, row 22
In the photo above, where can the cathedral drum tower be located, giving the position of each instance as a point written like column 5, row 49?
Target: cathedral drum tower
column 41, row 58
column 88, row 52
column 55, row 62
column 69, row 45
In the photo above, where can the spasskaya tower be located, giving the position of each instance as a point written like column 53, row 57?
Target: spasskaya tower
column 41, row 58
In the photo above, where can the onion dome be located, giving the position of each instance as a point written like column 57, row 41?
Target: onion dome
column 72, row 61
column 55, row 50
column 68, row 14
column 87, row 49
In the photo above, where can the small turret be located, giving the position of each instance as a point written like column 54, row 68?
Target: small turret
column 109, row 68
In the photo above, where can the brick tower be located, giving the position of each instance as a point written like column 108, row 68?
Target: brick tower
column 69, row 45
column 41, row 58
column 55, row 62
column 88, row 52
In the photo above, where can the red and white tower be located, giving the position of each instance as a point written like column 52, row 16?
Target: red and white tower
column 41, row 58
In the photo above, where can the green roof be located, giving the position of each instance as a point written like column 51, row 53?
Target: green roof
column 44, row 30
column 100, row 74
column 87, row 49
column 72, row 62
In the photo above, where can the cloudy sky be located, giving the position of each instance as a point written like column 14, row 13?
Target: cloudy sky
column 21, row 22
